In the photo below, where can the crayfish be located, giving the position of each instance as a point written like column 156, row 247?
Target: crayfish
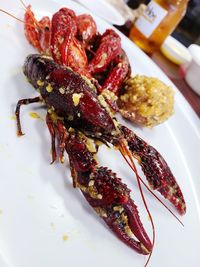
column 74, row 41
column 76, row 113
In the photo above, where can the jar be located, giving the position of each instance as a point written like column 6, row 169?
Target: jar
column 158, row 21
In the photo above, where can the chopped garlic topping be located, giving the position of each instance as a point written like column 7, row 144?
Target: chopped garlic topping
column 34, row 115
column 62, row 90
column 109, row 95
column 40, row 83
column 49, row 88
column 90, row 145
column 91, row 183
column 101, row 212
column 118, row 208
column 102, row 101
column 76, row 98
column 71, row 130
column 99, row 196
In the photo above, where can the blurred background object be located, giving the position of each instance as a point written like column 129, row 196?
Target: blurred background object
column 109, row 12
column 156, row 23
column 192, row 76
column 127, row 12
column 188, row 31
column 175, row 51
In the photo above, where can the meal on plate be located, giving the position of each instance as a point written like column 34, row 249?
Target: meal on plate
column 146, row 100
column 77, row 75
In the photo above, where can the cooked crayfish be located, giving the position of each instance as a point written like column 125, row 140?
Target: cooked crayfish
column 73, row 41
column 75, row 113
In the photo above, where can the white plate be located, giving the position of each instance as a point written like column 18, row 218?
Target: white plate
column 38, row 205
column 104, row 10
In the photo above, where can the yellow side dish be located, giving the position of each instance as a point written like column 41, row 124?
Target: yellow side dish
column 146, row 101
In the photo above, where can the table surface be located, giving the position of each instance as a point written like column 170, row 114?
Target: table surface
column 175, row 74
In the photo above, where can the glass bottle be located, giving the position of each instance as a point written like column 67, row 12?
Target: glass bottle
column 158, row 21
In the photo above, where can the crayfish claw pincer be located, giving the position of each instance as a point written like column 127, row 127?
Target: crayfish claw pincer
column 117, row 209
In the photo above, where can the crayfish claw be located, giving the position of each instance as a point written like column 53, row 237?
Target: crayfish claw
column 111, row 200
column 106, row 193
column 124, row 220
column 156, row 170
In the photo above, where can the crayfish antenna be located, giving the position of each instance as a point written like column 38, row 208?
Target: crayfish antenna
column 14, row 17
column 20, row 20
column 23, row 4
column 11, row 15
column 125, row 152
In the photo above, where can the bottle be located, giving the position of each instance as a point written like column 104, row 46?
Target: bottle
column 134, row 4
column 158, row 21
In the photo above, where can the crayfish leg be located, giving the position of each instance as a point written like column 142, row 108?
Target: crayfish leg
column 57, row 129
column 21, row 102
column 52, row 132
column 62, row 135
